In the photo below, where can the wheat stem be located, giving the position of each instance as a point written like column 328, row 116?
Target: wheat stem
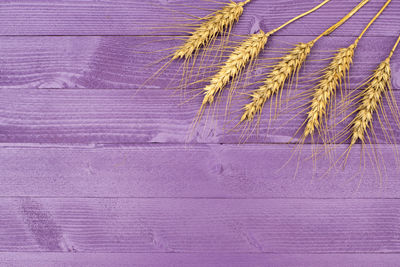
column 343, row 20
column 374, row 18
column 394, row 47
column 300, row 16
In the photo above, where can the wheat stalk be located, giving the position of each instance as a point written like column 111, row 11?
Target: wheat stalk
column 213, row 26
column 241, row 56
column 288, row 66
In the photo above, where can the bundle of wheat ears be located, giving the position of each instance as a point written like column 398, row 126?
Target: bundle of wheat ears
column 321, row 95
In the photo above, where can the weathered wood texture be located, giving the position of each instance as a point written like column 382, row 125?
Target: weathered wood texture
column 200, row 225
column 128, row 17
column 23, row 259
column 198, row 171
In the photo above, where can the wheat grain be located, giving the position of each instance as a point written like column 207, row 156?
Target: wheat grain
column 289, row 65
column 214, row 25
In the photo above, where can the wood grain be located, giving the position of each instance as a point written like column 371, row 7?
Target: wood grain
column 125, row 116
column 199, row 171
column 96, row 173
column 127, row 62
column 196, row 259
column 199, row 225
column 130, row 17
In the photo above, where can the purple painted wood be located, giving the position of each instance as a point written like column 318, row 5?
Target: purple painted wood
column 102, row 225
column 127, row 62
column 197, row 259
column 123, row 116
column 128, row 17
column 199, row 171
column 77, row 188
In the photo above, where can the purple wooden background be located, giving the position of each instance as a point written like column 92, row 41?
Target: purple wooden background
column 94, row 173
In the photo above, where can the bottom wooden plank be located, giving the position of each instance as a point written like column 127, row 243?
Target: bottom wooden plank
column 197, row 260
column 200, row 225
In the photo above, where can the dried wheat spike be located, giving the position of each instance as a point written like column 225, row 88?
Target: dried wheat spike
column 370, row 100
column 289, row 65
column 214, row 25
column 326, row 88
column 239, row 58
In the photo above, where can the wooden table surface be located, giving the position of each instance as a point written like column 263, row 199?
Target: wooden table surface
column 95, row 172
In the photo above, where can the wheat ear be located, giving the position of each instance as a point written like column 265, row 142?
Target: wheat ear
column 331, row 79
column 287, row 67
column 241, row 56
column 371, row 98
column 213, row 26
column 326, row 88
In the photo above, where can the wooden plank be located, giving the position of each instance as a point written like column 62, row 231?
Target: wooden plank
column 127, row 62
column 121, row 116
column 197, row 259
column 127, row 17
column 199, row 225
column 200, row 171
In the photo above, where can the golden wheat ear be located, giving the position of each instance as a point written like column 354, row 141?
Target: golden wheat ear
column 324, row 92
column 213, row 26
column 202, row 35
column 289, row 65
column 369, row 105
